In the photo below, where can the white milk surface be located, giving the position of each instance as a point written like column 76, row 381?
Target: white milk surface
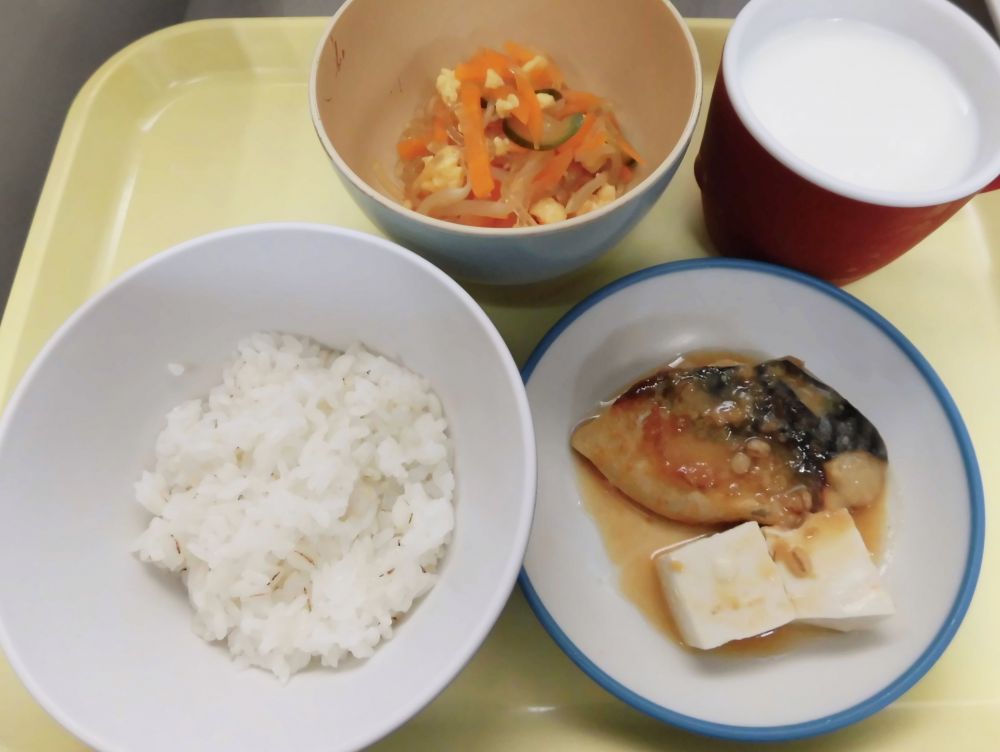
column 863, row 104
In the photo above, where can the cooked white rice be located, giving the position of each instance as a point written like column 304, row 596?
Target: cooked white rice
column 306, row 502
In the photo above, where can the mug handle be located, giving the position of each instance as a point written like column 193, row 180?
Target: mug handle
column 992, row 185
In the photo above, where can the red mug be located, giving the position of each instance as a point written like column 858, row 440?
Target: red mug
column 761, row 201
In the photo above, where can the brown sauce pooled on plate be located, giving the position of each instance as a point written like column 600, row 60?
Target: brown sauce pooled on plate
column 633, row 536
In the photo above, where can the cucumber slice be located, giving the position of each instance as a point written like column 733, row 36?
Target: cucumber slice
column 554, row 133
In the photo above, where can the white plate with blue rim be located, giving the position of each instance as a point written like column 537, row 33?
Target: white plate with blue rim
column 935, row 514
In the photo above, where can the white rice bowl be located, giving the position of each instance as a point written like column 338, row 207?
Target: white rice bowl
column 305, row 501
column 102, row 640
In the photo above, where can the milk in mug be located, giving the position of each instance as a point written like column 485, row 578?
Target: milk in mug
column 863, row 104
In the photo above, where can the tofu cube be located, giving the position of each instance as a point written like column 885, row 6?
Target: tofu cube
column 724, row 587
column 829, row 574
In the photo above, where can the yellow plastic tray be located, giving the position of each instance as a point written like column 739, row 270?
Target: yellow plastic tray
column 206, row 125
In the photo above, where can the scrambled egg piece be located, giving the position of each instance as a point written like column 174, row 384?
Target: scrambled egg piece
column 507, row 105
column 536, row 63
column 447, row 86
column 548, row 210
column 493, row 79
column 443, row 170
column 501, row 146
column 602, row 197
column 545, row 100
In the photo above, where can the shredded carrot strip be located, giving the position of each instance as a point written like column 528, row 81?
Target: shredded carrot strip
column 627, row 149
column 598, row 136
column 439, row 134
column 594, row 140
column 499, row 62
column 520, row 112
column 550, row 175
column 520, row 53
column 547, row 76
column 477, row 156
column 440, row 110
column 532, row 111
column 541, row 78
column 555, row 75
column 501, row 92
column 474, row 69
column 411, row 148
column 472, row 74
column 442, row 118
column 580, row 101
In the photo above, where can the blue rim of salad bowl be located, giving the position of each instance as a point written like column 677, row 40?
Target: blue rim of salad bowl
column 963, row 597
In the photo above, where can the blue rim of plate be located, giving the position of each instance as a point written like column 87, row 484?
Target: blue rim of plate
column 937, row 646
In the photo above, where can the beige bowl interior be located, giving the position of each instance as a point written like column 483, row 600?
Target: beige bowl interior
column 379, row 61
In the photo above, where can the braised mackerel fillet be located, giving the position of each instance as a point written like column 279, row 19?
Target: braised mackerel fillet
column 725, row 443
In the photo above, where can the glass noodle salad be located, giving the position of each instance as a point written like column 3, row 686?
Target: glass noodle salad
column 504, row 142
